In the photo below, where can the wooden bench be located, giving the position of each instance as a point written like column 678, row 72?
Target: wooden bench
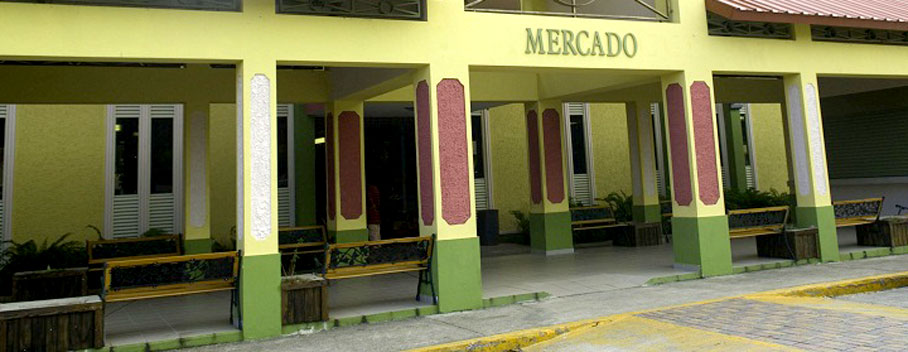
column 361, row 259
column 757, row 222
column 102, row 251
column 136, row 279
column 593, row 218
column 857, row 212
column 49, row 284
column 302, row 249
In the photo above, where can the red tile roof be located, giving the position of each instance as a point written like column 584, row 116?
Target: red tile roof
column 879, row 14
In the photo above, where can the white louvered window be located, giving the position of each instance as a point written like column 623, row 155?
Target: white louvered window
column 286, row 194
column 482, row 174
column 577, row 135
column 144, row 169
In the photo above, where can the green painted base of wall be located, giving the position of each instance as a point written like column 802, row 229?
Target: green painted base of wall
column 260, row 296
column 824, row 220
column 702, row 242
column 348, row 236
column 457, row 274
column 197, row 246
column 551, row 233
column 647, row 213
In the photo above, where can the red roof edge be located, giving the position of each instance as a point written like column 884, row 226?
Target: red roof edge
column 733, row 13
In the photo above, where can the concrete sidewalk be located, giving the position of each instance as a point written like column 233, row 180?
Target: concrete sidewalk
column 438, row 329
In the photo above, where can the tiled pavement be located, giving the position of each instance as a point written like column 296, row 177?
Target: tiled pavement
column 794, row 326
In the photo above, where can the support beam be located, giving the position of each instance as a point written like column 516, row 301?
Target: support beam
column 446, row 193
column 197, row 210
column 808, row 149
column 699, row 223
column 345, row 170
column 550, row 216
column 260, row 276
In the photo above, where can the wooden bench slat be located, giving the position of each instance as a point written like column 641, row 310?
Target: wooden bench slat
column 347, row 274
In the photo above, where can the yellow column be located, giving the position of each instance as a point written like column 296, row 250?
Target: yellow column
column 260, row 277
column 643, row 161
column 550, row 217
column 699, row 224
column 345, row 171
column 808, row 156
column 445, row 175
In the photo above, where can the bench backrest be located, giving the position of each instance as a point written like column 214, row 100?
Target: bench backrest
column 867, row 210
column 169, row 276
column 593, row 213
column 347, row 258
column 133, row 248
column 772, row 219
column 49, row 284
column 302, row 249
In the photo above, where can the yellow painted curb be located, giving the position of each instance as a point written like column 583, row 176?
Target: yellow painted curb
column 845, row 287
column 515, row 340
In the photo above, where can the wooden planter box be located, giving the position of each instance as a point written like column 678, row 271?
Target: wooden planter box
column 52, row 325
column 304, row 299
column 887, row 232
column 794, row 244
column 49, row 284
column 639, row 235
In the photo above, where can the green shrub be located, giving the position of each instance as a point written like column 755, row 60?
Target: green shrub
column 522, row 220
column 29, row 256
column 622, row 204
column 752, row 198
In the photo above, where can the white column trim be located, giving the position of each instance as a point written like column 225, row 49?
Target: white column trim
column 260, row 176
column 568, row 148
column 723, row 145
column 656, row 116
column 9, row 154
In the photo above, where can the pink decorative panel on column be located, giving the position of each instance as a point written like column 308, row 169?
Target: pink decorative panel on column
column 704, row 142
column 554, row 163
column 329, row 164
column 452, row 152
column 677, row 131
column 350, row 165
column 424, row 146
column 533, row 144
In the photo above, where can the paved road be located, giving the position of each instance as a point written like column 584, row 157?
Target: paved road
column 893, row 298
column 437, row 329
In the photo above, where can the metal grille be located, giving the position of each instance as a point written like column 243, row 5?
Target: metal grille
column 181, row 272
column 722, row 26
column 858, row 35
column 392, row 9
column 380, row 253
column 209, row 5
column 757, row 219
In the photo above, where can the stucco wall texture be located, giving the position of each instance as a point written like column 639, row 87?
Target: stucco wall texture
column 222, row 190
column 59, row 172
column 608, row 127
column 769, row 147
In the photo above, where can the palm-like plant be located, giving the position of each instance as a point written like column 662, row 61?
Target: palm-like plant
column 29, row 256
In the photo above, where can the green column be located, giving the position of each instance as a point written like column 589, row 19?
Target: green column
column 734, row 141
column 304, row 165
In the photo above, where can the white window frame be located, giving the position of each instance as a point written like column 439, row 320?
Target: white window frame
column 661, row 172
column 9, row 154
column 144, row 166
column 486, row 157
column 751, row 151
column 569, row 149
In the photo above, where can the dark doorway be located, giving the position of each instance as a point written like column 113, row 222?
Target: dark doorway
column 390, row 156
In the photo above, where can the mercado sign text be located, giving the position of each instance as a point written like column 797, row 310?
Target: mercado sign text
column 583, row 43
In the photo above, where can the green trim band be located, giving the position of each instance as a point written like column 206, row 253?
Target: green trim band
column 702, row 242
column 647, row 213
column 551, row 233
column 348, row 236
column 198, row 246
column 823, row 218
column 260, row 296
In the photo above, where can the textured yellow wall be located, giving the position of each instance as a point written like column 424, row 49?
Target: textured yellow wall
column 769, row 145
column 223, row 171
column 510, row 173
column 59, row 171
column 611, row 156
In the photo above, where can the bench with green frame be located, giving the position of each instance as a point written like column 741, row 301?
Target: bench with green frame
column 857, row 212
column 302, row 249
column 754, row 222
column 594, row 218
column 158, row 277
column 370, row 258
